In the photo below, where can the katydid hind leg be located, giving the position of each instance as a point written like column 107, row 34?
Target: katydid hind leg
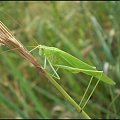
column 86, row 91
column 92, row 91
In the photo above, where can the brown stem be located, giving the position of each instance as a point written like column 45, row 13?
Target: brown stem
column 8, row 40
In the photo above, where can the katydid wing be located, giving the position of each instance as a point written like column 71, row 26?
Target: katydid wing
column 66, row 61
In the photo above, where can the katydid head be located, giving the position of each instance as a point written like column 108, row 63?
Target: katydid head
column 41, row 49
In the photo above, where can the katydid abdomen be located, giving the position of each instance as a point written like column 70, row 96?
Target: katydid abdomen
column 59, row 57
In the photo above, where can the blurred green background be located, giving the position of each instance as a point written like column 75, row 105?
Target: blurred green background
column 88, row 30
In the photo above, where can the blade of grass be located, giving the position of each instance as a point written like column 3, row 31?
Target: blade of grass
column 12, row 105
column 18, row 97
column 8, row 39
column 26, row 88
column 98, row 30
column 113, row 102
column 64, row 39
column 53, row 98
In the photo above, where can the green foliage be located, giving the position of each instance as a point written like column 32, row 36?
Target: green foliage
column 87, row 30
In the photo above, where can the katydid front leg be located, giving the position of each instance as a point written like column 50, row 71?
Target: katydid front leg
column 45, row 62
column 57, row 76
column 55, row 71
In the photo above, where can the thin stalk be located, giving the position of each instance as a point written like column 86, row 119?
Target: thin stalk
column 67, row 97
column 9, row 40
column 113, row 103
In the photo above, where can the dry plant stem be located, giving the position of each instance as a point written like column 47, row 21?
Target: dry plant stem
column 8, row 40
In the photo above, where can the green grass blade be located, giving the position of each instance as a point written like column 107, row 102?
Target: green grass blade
column 11, row 105
column 98, row 28
column 26, row 88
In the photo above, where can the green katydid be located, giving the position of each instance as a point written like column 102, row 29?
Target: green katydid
column 60, row 59
column 63, row 60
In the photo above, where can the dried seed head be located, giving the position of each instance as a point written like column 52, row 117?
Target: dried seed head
column 10, row 41
column 6, row 36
